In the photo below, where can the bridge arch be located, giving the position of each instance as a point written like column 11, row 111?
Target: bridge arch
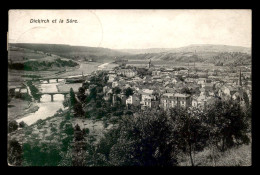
column 52, row 94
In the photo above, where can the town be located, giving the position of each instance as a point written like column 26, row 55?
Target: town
column 164, row 88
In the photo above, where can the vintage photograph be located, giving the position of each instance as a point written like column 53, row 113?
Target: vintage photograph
column 131, row 88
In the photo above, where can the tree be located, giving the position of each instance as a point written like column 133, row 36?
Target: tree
column 145, row 140
column 78, row 134
column 72, row 98
column 116, row 90
column 85, row 85
column 181, row 78
column 229, row 124
column 12, row 126
column 9, row 97
column 14, row 153
column 69, row 129
column 81, row 94
column 186, row 90
column 93, row 92
column 78, row 111
column 22, row 124
column 40, row 155
column 190, row 131
column 128, row 91
column 246, row 99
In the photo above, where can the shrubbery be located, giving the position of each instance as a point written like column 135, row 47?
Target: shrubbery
column 156, row 138
column 12, row 126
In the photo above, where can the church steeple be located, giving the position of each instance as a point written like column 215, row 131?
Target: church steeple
column 240, row 78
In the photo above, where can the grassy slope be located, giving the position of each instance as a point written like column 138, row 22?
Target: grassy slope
column 73, row 52
column 240, row 156
column 19, row 54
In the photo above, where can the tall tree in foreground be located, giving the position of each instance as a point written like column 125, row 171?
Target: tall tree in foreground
column 72, row 98
column 190, row 132
column 14, row 153
column 144, row 140
column 81, row 94
column 229, row 124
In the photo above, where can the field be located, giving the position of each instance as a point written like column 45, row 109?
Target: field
column 20, row 55
column 18, row 108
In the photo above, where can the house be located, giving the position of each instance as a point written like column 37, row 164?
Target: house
column 189, row 80
column 127, row 72
column 17, row 91
column 156, row 73
column 123, row 98
column 23, row 91
column 194, row 102
column 111, row 78
column 114, row 84
column 133, row 100
column 148, row 99
column 201, row 81
column 105, row 89
column 184, row 72
column 223, row 91
column 174, row 80
column 170, row 100
column 108, row 95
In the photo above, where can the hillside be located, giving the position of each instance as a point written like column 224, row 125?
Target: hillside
column 191, row 48
column 74, row 52
column 217, row 54
column 34, row 60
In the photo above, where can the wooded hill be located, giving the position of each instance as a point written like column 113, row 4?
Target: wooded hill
column 217, row 54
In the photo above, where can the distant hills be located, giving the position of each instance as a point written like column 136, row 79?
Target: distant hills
column 217, row 54
column 191, row 48
column 73, row 52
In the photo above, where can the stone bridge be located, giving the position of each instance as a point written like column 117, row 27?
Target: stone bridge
column 65, row 78
column 52, row 94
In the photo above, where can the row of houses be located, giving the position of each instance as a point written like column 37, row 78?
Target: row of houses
column 163, row 88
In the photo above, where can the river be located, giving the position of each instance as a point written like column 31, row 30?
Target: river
column 48, row 108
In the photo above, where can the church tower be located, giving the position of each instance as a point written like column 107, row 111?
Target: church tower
column 240, row 79
column 149, row 64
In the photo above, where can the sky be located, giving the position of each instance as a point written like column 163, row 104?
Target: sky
column 132, row 29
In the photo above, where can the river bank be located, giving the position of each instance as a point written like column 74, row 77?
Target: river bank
column 18, row 109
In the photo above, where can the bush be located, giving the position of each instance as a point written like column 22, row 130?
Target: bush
column 228, row 124
column 69, row 129
column 146, row 140
column 53, row 129
column 14, row 153
column 28, row 131
column 12, row 126
column 86, row 131
column 22, row 124
column 39, row 122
